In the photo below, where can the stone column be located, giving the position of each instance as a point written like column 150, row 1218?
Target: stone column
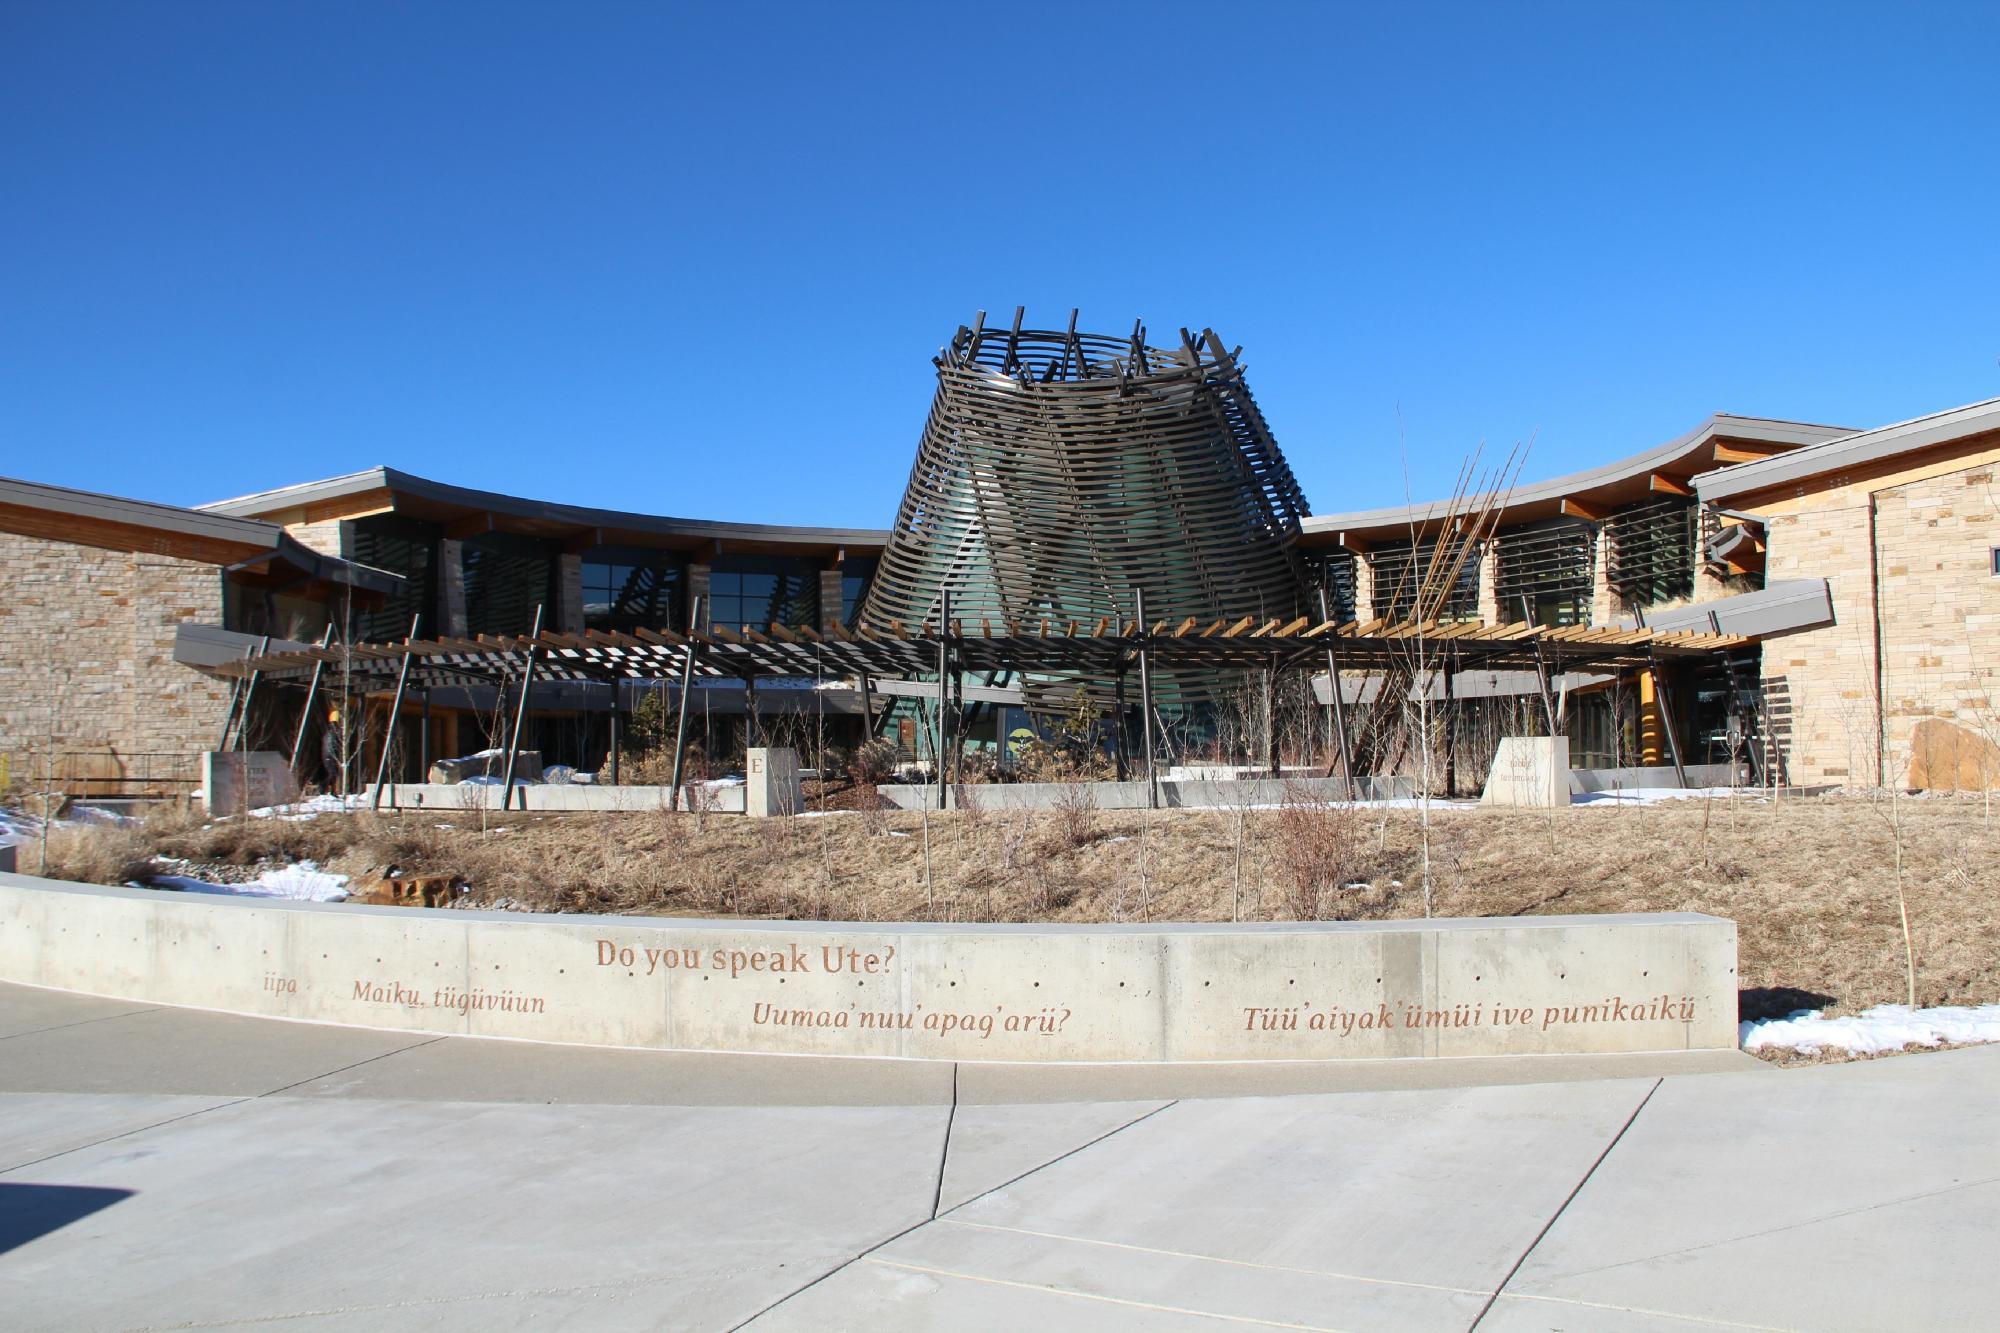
column 829, row 598
column 1605, row 603
column 569, row 594
column 1364, row 590
column 1490, row 609
column 451, row 587
column 697, row 586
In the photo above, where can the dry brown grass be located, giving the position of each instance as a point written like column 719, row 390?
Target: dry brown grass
column 1809, row 881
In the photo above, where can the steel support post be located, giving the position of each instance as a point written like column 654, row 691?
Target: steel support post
column 244, row 692
column 312, row 696
column 521, row 713
column 611, row 744
column 944, row 703
column 1541, row 670
column 1660, row 692
column 1146, row 698
column 687, row 695
column 868, row 708
column 424, row 737
column 1745, row 717
column 395, row 716
column 1338, row 704
column 1118, row 732
column 1271, row 719
column 1450, row 726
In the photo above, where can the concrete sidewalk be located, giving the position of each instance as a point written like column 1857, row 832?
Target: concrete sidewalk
column 161, row 1168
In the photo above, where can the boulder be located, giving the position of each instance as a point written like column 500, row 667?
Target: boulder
column 487, row 764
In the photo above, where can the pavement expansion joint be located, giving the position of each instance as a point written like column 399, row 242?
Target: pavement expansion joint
column 1106, row 1300
column 1562, row 1207
column 934, row 1217
column 1091, row 1143
column 126, row 1134
column 1799, row 1225
column 1212, row 1258
column 944, row 1157
column 1692, row 1320
column 206, row 1110
column 428, row 1041
column 81, row 1022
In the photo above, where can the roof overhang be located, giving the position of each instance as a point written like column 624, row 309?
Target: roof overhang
column 465, row 512
column 1855, row 449
column 1667, row 469
column 254, row 550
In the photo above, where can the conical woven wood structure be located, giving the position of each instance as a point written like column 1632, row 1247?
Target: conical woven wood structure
column 1060, row 472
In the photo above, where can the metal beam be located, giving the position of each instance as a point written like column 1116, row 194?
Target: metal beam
column 312, row 694
column 1146, row 698
column 395, row 715
column 687, row 691
column 521, row 712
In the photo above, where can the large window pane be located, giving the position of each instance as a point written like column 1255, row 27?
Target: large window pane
column 629, row 589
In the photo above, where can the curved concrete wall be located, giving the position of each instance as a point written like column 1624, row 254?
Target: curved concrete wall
column 1528, row 985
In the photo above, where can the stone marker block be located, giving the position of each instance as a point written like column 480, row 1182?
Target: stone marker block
column 235, row 780
column 1530, row 771
column 771, row 778
column 487, row 764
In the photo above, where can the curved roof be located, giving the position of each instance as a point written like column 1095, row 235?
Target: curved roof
column 1721, row 438
column 1855, row 449
column 87, row 518
column 405, row 492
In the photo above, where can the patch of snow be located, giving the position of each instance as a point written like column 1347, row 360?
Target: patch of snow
column 1655, row 795
column 296, row 812
column 303, row 882
column 1886, row 1027
column 488, row 780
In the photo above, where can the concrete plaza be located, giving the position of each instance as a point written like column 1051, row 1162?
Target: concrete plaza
column 166, row 1168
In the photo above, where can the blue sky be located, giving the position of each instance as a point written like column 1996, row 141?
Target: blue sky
column 695, row 259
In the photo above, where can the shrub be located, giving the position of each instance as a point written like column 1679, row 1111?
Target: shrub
column 874, row 763
column 1318, row 849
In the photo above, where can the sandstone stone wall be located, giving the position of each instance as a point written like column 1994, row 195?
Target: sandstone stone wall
column 1940, row 627
column 87, row 635
column 1823, row 681
column 326, row 538
column 1918, row 552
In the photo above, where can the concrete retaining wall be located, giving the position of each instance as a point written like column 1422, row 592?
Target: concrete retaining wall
column 1533, row 985
column 1132, row 795
column 1585, row 780
column 546, row 796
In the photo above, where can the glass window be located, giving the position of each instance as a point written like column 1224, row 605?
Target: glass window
column 403, row 546
column 629, row 589
column 760, row 591
column 856, row 573
column 507, row 576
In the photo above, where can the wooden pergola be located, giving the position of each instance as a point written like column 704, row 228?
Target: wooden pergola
column 949, row 649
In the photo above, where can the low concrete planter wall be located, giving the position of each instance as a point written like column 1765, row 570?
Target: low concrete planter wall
column 1131, row 795
column 547, row 796
column 1529, row 985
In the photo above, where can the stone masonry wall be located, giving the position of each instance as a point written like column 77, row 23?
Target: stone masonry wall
column 1940, row 626
column 1823, row 681
column 1922, row 547
column 326, row 538
column 87, row 636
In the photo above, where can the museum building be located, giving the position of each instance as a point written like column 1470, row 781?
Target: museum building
column 1058, row 474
